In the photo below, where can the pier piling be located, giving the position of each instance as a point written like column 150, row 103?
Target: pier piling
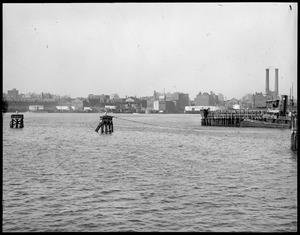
column 17, row 121
column 294, row 134
column 234, row 118
column 106, row 124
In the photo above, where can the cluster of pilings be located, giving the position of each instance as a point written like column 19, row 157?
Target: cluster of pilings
column 230, row 118
column 17, row 121
column 106, row 124
column 294, row 134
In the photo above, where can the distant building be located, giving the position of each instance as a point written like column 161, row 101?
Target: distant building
column 206, row 99
column 220, row 97
column 236, row 106
column 259, row 100
column 232, row 103
column 133, row 104
column 102, row 98
column 144, row 103
column 111, row 107
column 179, row 101
column 213, row 99
column 155, row 95
column 87, row 109
column 77, row 104
column 46, row 96
column 63, row 108
column 148, row 102
column 182, row 101
column 13, row 94
column 196, row 109
column 162, row 98
column 202, row 99
column 36, row 107
column 159, row 105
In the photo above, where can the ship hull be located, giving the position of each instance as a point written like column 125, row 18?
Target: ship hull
column 263, row 124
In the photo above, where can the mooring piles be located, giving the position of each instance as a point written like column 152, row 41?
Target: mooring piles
column 294, row 135
column 229, row 118
column 17, row 121
column 106, row 124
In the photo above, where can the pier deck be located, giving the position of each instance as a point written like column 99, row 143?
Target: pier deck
column 244, row 118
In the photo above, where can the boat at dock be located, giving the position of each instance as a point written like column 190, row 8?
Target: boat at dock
column 247, row 122
column 271, row 119
column 275, row 115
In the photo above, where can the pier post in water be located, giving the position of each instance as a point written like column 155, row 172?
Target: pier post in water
column 106, row 124
column 294, row 134
column 17, row 121
column 112, row 126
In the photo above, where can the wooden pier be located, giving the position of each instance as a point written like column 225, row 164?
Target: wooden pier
column 106, row 124
column 17, row 121
column 294, row 134
column 244, row 118
column 229, row 118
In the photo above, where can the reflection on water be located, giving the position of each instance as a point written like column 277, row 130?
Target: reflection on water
column 158, row 173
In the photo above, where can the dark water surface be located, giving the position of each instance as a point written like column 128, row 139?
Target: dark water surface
column 172, row 175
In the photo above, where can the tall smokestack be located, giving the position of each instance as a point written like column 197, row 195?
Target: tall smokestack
column 276, row 83
column 267, row 81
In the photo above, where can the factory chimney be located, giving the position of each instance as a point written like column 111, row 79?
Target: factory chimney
column 276, row 83
column 267, row 81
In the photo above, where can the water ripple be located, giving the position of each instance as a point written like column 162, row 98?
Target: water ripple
column 61, row 176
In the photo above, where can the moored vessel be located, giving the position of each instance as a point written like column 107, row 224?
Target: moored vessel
column 247, row 122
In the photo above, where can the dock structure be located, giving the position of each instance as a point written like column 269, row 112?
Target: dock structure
column 17, row 121
column 244, row 118
column 229, row 118
column 106, row 124
column 294, row 134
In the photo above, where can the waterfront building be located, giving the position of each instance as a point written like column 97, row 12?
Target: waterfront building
column 259, row 100
column 46, row 96
column 236, row 106
column 102, row 98
column 63, row 108
column 133, row 104
column 162, row 97
column 155, row 95
column 112, row 108
column 231, row 103
column 77, row 104
column 196, row 109
column 182, row 100
column 159, row 105
column 87, row 109
column 174, row 102
column 36, row 107
column 220, row 97
column 202, row 99
column 148, row 102
column 206, row 99
column 213, row 99
column 12, row 94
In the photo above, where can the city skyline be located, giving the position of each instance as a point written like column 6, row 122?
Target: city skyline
column 134, row 49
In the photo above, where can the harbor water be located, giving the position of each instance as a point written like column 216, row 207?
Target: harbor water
column 155, row 172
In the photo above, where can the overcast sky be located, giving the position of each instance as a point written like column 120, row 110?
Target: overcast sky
column 136, row 48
